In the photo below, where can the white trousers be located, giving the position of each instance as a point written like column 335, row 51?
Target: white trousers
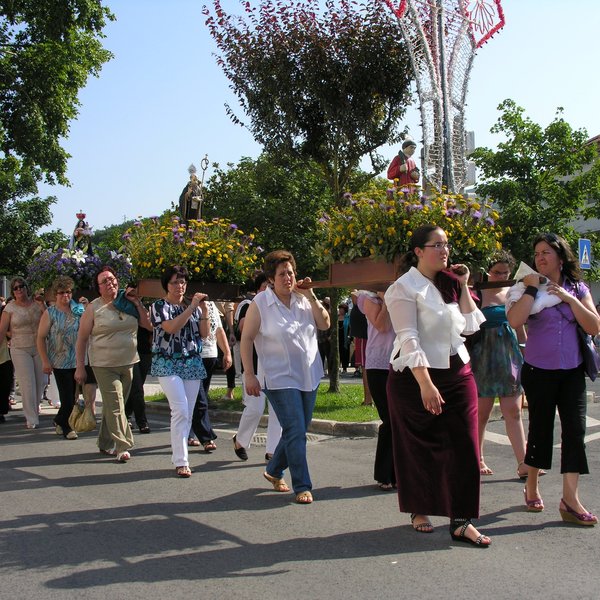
column 254, row 407
column 29, row 372
column 181, row 394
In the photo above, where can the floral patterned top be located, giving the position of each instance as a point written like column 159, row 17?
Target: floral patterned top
column 177, row 353
column 62, row 337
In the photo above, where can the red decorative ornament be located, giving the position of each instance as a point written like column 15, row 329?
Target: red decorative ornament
column 80, row 215
column 486, row 18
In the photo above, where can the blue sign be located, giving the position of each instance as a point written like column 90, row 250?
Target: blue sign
column 585, row 253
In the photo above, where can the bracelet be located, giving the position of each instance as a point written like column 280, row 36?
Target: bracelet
column 531, row 290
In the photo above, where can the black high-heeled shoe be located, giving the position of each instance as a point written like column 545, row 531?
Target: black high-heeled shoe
column 460, row 537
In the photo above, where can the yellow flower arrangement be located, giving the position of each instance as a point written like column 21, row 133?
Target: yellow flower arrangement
column 212, row 251
column 379, row 225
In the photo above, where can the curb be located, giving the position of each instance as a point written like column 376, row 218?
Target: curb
column 322, row 426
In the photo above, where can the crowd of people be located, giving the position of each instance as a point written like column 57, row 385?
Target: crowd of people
column 433, row 354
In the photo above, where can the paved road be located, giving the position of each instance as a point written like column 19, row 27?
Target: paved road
column 75, row 522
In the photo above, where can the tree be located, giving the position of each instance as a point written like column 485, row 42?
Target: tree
column 111, row 237
column 19, row 223
column 541, row 178
column 283, row 203
column 48, row 48
column 329, row 85
column 322, row 84
column 53, row 239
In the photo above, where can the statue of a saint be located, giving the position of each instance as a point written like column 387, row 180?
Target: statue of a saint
column 403, row 167
column 190, row 200
column 82, row 235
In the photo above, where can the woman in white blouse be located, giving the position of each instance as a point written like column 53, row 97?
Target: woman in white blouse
column 282, row 324
column 431, row 389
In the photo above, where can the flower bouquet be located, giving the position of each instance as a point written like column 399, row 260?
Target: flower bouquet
column 214, row 251
column 378, row 225
column 47, row 265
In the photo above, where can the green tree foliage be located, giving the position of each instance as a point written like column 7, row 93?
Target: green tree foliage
column 325, row 81
column 542, row 179
column 19, row 223
column 111, row 237
column 283, row 202
column 53, row 239
column 48, row 48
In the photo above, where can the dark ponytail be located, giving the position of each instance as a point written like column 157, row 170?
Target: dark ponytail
column 418, row 239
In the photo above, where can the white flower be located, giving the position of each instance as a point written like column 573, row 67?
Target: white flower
column 79, row 256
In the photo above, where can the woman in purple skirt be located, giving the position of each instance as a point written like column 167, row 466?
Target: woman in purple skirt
column 431, row 390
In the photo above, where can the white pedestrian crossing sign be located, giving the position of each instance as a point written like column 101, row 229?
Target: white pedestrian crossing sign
column 585, row 253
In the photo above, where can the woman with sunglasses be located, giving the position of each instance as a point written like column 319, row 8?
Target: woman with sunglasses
column 431, row 390
column 553, row 375
column 56, row 338
column 20, row 319
column 108, row 331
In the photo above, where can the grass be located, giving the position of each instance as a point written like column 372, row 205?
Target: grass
column 345, row 406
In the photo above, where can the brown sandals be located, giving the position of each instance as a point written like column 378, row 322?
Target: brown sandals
column 183, row 471
column 279, row 485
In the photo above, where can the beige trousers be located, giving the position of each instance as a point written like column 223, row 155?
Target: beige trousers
column 114, row 384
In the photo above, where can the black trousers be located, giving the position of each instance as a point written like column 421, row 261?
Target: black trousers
column 210, row 365
column 135, row 401
column 384, row 457
column 67, row 389
column 548, row 390
column 6, row 384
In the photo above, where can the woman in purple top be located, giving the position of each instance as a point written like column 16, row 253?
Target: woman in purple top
column 552, row 375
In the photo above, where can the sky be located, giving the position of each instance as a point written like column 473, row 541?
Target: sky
column 159, row 104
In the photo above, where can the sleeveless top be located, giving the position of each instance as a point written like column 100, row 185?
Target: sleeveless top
column 61, row 339
column 113, row 341
column 24, row 323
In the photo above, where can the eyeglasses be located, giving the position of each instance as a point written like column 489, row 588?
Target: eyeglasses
column 108, row 280
column 19, row 287
column 440, row 246
column 65, row 293
column 500, row 273
column 178, row 282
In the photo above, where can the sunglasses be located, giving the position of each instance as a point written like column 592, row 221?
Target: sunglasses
column 19, row 287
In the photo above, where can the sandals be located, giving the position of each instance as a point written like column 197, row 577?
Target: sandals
column 108, row 452
column 484, row 469
column 144, row 428
column 183, row 471
column 193, row 442
column 385, row 487
column 570, row 516
column 425, row 527
column 304, row 498
column 535, row 505
column 279, row 485
column 482, row 541
column 123, row 456
column 209, row 446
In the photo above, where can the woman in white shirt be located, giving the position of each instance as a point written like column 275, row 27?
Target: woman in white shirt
column 431, row 390
column 282, row 324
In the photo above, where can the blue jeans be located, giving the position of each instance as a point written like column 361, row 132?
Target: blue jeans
column 294, row 410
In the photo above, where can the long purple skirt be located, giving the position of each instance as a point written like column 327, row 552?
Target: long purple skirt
column 436, row 457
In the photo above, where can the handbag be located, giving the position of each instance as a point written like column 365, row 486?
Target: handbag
column 591, row 360
column 81, row 418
